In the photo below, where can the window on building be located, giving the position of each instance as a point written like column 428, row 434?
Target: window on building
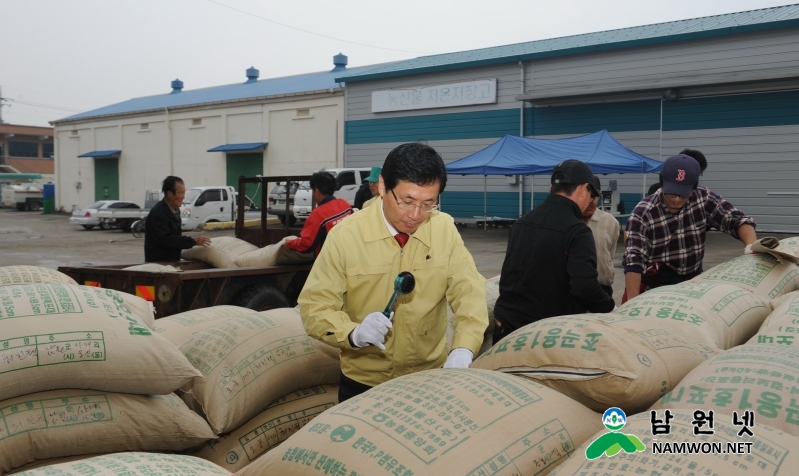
column 47, row 150
column 23, row 149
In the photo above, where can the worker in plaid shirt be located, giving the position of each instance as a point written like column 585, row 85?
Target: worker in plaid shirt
column 666, row 231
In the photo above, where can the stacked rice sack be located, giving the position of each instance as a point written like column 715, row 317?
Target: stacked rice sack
column 781, row 327
column 262, row 378
column 131, row 464
column 81, row 371
column 442, row 421
column 230, row 252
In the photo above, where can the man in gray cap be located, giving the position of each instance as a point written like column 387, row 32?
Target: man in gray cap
column 666, row 232
column 550, row 264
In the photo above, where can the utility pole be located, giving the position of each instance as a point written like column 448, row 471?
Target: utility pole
column 2, row 103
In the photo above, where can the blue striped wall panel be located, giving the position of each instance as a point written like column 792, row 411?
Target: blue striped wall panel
column 744, row 110
column 466, row 125
column 623, row 116
column 500, row 204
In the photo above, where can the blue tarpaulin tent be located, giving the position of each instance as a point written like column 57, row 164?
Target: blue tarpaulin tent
column 514, row 155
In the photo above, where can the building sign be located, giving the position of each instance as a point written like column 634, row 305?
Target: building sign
column 443, row 95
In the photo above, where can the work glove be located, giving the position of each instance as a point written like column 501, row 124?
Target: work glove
column 748, row 250
column 459, row 358
column 372, row 331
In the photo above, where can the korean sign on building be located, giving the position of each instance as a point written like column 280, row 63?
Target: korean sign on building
column 443, row 95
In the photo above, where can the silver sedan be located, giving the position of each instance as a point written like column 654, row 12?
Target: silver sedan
column 87, row 217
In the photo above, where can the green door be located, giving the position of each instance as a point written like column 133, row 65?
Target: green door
column 248, row 165
column 106, row 179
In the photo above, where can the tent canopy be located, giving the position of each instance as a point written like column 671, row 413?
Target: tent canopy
column 513, row 155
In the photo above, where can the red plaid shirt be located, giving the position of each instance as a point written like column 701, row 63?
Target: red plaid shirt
column 655, row 235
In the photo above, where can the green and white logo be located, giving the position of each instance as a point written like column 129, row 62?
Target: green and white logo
column 614, row 442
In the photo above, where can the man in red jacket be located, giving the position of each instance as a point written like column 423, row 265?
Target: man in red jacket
column 328, row 212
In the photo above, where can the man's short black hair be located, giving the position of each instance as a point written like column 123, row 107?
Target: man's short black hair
column 324, row 182
column 168, row 185
column 564, row 188
column 698, row 156
column 415, row 163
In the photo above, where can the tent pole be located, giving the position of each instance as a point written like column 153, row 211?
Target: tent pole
column 532, row 194
column 485, row 201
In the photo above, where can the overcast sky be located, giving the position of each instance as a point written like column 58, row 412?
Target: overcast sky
column 61, row 57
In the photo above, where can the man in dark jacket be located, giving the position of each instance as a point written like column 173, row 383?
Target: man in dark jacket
column 550, row 265
column 163, row 240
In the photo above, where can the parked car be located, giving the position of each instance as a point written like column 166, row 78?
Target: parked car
column 347, row 183
column 88, row 217
column 277, row 201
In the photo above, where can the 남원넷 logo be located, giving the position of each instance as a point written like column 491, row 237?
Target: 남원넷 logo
column 614, row 442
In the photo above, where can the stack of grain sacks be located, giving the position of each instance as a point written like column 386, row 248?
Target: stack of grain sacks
column 262, row 377
column 752, row 389
column 82, row 372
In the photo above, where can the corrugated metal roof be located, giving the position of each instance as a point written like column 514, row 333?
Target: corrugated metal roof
column 289, row 85
column 243, row 147
column 705, row 27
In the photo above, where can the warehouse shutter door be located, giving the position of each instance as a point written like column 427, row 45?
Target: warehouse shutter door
column 248, row 165
column 106, row 179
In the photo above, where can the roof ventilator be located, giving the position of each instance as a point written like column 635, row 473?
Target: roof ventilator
column 252, row 75
column 340, row 63
column 177, row 86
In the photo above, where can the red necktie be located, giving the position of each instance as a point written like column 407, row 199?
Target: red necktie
column 402, row 238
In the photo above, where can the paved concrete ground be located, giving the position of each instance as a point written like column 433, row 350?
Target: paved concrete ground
column 28, row 238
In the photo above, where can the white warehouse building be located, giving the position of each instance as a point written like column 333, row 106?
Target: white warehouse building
column 210, row 136
column 726, row 85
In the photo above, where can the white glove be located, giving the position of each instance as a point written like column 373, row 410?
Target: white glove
column 459, row 358
column 372, row 331
column 748, row 250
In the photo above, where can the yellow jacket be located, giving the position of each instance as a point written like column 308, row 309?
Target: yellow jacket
column 354, row 276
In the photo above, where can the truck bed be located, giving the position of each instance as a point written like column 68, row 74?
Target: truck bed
column 196, row 286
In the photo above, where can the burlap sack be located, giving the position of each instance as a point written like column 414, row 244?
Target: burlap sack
column 55, row 336
column 595, row 363
column 48, row 299
column 250, row 361
column 773, row 452
column 131, row 464
column 11, row 275
column 153, row 268
column 275, row 254
column 442, row 421
column 492, row 294
column 761, row 273
column 721, row 315
column 759, row 377
column 782, row 325
column 222, row 252
column 791, row 243
column 270, row 428
column 40, row 463
column 178, row 328
column 73, row 422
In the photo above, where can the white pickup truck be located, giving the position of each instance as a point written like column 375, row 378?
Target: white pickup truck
column 300, row 203
column 201, row 205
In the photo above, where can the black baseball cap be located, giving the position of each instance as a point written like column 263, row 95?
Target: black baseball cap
column 574, row 172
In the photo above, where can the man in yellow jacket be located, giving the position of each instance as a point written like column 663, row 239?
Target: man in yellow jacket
column 353, row 279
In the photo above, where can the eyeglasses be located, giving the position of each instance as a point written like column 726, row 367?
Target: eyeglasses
column 410, row 206
column 671, row 196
